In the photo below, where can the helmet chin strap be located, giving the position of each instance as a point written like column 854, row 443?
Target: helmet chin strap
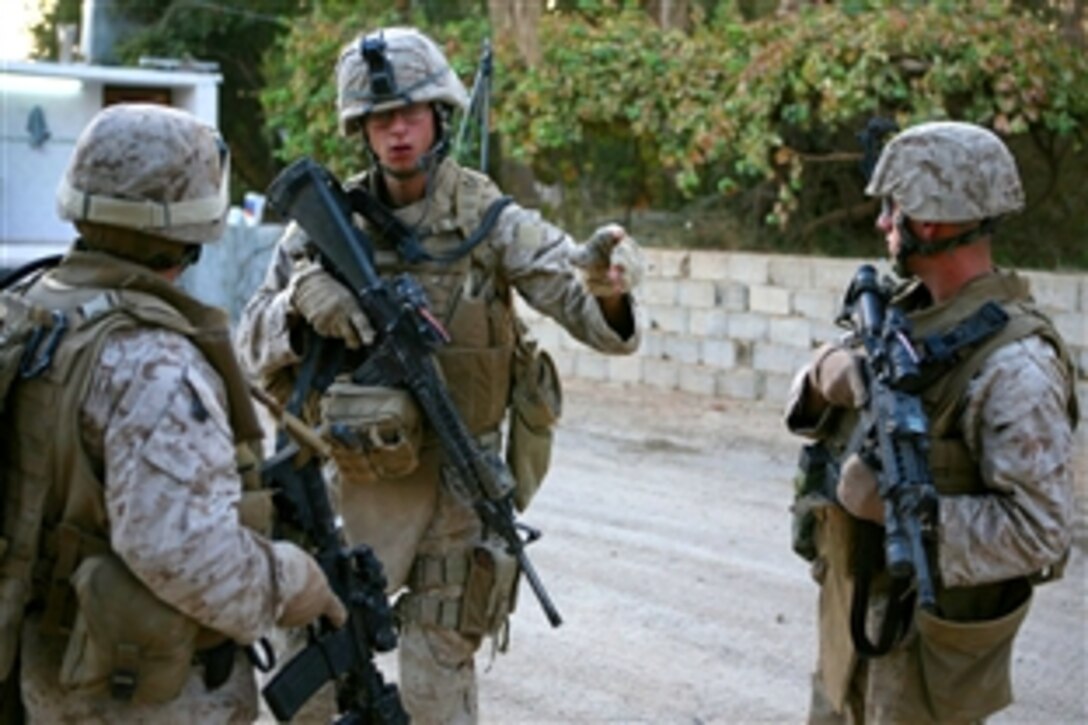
column 910, row 244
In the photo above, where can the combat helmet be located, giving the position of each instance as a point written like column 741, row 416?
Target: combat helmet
column 393, row 67
column 948, row 171
column 153, row 169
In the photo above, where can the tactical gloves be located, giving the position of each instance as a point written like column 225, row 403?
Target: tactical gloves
column 307, row 592
column 328, row 306
column 836, row 376
column 857, row 490
column 611, row 262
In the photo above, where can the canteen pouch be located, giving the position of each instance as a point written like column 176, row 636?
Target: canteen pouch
column 490, row 590
column 966, row 665
column 536, row 401
column 126, row 641
column 376, row 431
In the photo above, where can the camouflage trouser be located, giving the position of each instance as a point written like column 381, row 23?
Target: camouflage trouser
column 437, row 668
column 438, row 675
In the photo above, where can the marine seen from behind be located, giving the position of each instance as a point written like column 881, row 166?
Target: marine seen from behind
column 134, row 561
column 468, row 249
column 938, row 491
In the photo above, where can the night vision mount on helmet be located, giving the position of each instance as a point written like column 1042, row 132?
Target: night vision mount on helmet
column 391, row 68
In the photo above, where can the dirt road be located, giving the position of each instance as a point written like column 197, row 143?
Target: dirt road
column 666, row 550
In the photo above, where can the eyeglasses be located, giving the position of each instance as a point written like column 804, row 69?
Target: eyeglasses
column 412, row 114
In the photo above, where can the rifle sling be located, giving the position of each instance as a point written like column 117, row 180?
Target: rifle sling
column 28, row 269
column 943, row 351
column 408, row 245
column 900, row 603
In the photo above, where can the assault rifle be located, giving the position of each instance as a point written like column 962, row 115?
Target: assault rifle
column 892, row 439
column 402, row 355
column 344, row 655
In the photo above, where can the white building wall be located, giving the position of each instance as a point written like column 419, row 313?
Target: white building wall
column 29, row 176
column 69, row 96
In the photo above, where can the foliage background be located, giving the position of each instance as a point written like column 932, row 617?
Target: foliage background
column 734, row 128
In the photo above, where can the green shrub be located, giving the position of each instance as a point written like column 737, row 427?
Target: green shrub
column 742, row 134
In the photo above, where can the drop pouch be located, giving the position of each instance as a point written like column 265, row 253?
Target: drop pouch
column 966, row 665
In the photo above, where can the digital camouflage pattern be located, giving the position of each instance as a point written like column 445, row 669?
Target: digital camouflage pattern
column 948, row 171
column 156, row 416
column 438, row 675
column 151, row 168
column 421, row 74
column 155, row 421
column 405, row 518
column 1017, row 426
column 524, row 251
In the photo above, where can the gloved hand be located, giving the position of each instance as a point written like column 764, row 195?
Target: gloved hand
column 836, row 376
column 328, row 306
column 308, row 593
column 857, row 490
column 611, row 262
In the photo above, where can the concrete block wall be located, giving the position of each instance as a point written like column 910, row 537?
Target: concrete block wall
column 738, row 325
column 730, row 324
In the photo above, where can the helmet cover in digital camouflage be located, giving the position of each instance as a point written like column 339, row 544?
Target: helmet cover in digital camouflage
column 151, row 168
column 948, row 171
column 389, row 68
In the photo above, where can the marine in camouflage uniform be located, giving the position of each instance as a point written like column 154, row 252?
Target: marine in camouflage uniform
column 132, row 556
column 397, row 92
column 1000, row 446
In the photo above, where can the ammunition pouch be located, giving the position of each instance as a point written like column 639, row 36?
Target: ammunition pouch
column 812, row 487
column 126, row 641
column 487, row 577
column 490, row 590
column 375, row 431
column 536, row 400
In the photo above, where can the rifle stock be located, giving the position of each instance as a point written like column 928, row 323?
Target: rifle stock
column 407, row 336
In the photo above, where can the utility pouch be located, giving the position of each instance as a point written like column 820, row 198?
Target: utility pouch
column 536, row 402
column 966, row 665
column 126, row 641
column 812, row 487
column 376, row 431
column 490, row 590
